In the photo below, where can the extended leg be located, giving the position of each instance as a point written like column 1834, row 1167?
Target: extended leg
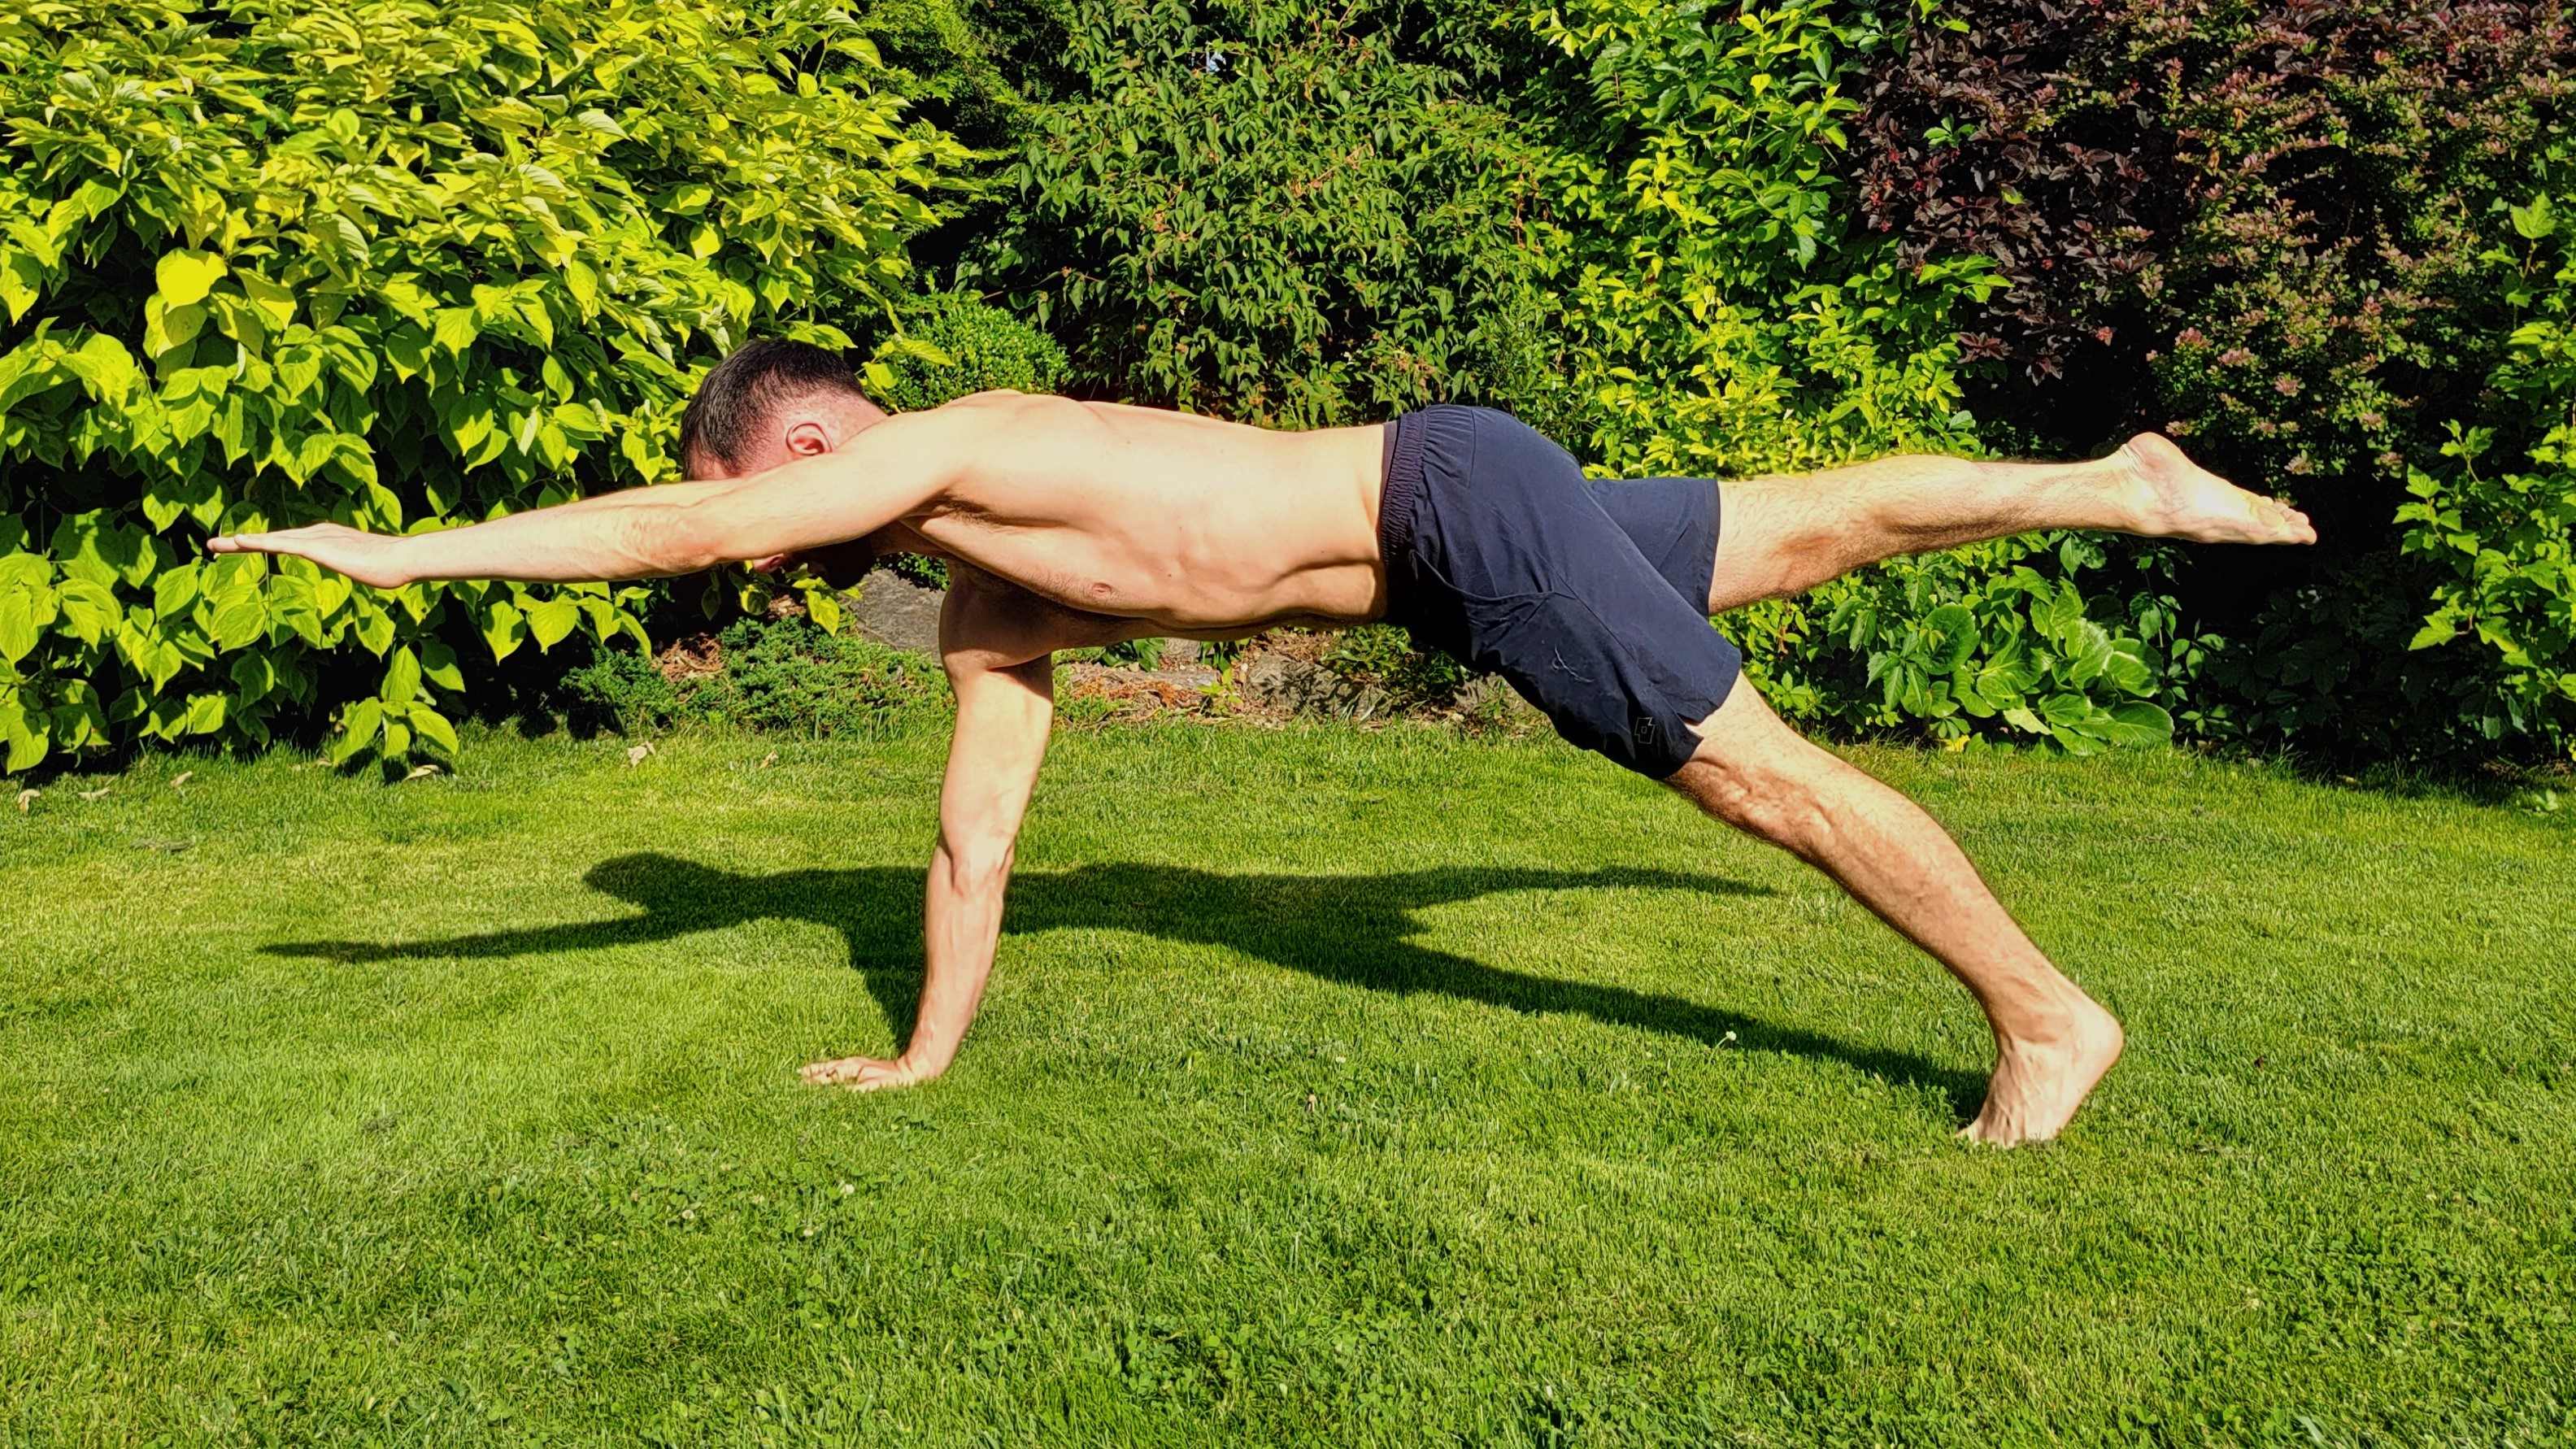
column 1783, row 535
column 2052, row 1042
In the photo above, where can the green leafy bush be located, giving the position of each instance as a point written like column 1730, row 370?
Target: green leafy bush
column 961, row 345
column 784, row 674
column 2265, row 226
column 2505, row 541
column 1995, row 640
column 1726, row 317
column 1278, row 212
column 399, row 264
column 788, row 674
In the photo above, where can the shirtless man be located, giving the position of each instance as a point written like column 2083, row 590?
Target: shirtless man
column 1068, row 524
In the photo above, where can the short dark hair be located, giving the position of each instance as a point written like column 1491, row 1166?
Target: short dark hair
column 745, row 391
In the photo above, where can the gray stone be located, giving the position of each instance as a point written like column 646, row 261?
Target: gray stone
column 1276, row 681
column 896, row 612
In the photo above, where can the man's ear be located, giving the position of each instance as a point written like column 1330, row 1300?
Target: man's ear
column 806, row 438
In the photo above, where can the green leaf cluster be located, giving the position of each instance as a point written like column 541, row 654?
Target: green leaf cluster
column 2503, row 541
column 1998, row 641
column 397, row 264
column 1278, row 212
column 1723, row 314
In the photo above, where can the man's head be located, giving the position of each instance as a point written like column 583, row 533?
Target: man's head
column 770, row 403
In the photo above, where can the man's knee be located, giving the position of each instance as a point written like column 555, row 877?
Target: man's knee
column 1756, row 774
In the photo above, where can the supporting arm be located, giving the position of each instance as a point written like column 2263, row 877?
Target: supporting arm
column 1003, row 717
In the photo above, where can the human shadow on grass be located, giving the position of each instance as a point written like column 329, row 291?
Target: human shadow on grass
column 1352, row 929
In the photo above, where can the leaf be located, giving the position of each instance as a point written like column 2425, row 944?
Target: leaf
column 17, row 625
column 2020, row 718
column 1958, row 629
column 28, row 733
column 375, row 630
column 89, row 611
column 182, row 778
column 402, row 679
column 185, row 277
column 420, row 772
column 275, row 303
column 240, row 621
column 2439, row 629
column 2136, row 725
column 2088, row 650
column 358, row 726
column 27, row 800
column 635, row 755
column 456, row 329
column 2128, row 669
column 438, row 665
column 207, row 713
column 551, row 621
column 434, row 728
column 505, row 629
column 173, row 590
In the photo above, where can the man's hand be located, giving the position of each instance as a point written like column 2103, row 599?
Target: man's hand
column 868, row 1074
column 370, row 558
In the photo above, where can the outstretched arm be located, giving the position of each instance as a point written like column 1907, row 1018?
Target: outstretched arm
column 1003, row 717
column 674, row 528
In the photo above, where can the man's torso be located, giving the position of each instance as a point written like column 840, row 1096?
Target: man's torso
column 1076, row 524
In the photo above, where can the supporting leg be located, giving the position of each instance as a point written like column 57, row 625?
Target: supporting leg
column 1782, row 535
column 2052, row 1042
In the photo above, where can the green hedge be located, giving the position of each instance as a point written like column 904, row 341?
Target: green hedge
column 406, row 266
column 399, row 264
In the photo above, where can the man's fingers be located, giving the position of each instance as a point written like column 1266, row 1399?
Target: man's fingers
column 863, row 1074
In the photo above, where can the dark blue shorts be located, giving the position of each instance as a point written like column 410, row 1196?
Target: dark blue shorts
column 1590, row 596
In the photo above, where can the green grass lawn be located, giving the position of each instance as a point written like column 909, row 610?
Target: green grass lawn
column 1333, row 1088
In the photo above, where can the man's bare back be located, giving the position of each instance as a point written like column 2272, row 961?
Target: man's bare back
column 1072, row 523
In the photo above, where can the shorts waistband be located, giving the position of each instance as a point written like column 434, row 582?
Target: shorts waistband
column 1402, row 491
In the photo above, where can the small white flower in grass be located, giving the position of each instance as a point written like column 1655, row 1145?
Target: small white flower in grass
column 848, row 1187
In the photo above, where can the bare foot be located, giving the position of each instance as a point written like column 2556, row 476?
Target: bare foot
column 2038, row 1083
column 2177, row 498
